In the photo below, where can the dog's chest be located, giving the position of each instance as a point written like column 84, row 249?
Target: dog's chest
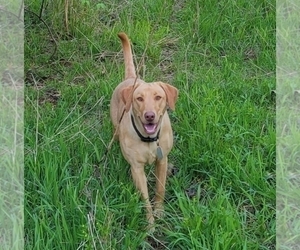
column 148, row 152
column 152, row 152
column 139, row 152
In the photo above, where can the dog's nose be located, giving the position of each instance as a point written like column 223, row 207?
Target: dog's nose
column 149, row 116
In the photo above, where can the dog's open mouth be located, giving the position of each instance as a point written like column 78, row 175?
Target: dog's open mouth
column 150, row 128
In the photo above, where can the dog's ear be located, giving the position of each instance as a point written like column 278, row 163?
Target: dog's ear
column 126, row 95
column 171, row 93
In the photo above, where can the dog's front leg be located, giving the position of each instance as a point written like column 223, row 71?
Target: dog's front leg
column 140, row 181
column 161, row 167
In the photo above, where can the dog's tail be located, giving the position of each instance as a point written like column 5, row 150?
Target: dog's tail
column 129, row 66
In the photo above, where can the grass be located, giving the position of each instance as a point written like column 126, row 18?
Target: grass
column 11, row 127
column 221, row 57
column 287, row 114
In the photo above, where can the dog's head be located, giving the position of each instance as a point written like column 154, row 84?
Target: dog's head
column 149, row 102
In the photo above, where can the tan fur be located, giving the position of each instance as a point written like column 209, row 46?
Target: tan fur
column 143, row 101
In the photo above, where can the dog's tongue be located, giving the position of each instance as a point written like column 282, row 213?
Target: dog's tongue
column 150, row 128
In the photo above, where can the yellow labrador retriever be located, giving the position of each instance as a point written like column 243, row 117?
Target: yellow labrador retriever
column 142, row 125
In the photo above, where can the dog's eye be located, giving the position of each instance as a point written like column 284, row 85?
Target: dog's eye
column 157, row 98
column 140, row 99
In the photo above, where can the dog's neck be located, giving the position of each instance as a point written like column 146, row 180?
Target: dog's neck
column 143, row 138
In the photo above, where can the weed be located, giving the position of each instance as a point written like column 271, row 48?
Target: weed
column 221, row 56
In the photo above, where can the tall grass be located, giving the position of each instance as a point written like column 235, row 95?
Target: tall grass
column 11, row 127
column 221, row 58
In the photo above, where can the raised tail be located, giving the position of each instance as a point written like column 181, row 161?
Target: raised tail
column 129, row 66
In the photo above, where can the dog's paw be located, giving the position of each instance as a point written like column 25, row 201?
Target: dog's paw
column 150, row 228
column 158, row 212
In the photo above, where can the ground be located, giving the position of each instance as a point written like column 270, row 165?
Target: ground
column 221, row 57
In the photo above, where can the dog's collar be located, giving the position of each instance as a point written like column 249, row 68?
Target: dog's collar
column 143, row 138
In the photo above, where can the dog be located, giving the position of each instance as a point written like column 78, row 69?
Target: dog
column 139, row 115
